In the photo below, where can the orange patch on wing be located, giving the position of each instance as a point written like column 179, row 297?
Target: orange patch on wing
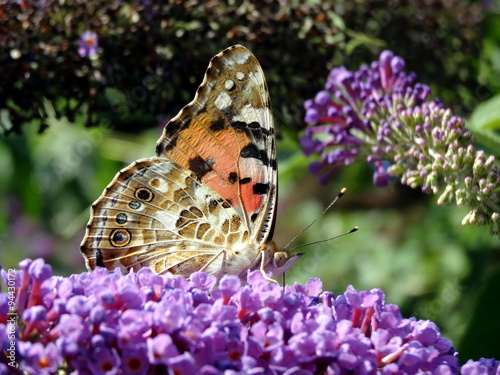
column 221, row 149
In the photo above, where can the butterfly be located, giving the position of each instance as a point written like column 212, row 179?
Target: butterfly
column 207, row 200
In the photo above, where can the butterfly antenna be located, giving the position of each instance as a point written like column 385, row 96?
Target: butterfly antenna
column 325, row 240
column 339, row 195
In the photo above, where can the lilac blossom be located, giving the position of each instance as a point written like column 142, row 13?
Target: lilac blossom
column 88, row 44
column 485, row 366
column 106, row 322
column 381, row 114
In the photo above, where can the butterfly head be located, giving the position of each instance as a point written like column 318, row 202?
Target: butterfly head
column 280, row 261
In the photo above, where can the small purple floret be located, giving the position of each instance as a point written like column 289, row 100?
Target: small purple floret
column 88, row 44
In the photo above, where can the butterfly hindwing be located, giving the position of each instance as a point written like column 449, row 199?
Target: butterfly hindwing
column 155, row 207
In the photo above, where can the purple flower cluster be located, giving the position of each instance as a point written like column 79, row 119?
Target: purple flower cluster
column 485, row 366
column 348, row 109
column 381, row 114
column 143, row 323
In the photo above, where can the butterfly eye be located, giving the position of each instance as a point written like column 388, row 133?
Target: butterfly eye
column 280, row 258
column 144, row 194
column 120, row 237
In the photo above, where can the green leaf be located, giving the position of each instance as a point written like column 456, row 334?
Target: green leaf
column 486, row 115
column 337, row 21
column 488, row 138
column 484, row 122
column 359, row 39
column 114, row 95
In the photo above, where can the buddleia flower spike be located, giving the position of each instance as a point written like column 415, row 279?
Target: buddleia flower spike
column 382, row 115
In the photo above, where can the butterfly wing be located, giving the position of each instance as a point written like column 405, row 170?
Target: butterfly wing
column 226, row 137
column 207, row 201
column 154, row 208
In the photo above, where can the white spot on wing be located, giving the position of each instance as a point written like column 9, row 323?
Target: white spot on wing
column 242, row 57
column 166, row 218
column 250, row 114
column 256, row 75
column 229, row 85
column 240, row 76
column 162, row 185
column 162, row 168
column 223, row 101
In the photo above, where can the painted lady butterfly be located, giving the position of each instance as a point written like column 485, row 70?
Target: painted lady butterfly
column 207, row 200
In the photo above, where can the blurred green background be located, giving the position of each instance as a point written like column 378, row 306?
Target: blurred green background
column 68, row 123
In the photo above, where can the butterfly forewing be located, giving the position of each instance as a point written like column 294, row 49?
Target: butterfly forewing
column 226, row 136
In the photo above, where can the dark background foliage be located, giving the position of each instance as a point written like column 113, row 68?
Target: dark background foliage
column 68, row 123
column 175, row 39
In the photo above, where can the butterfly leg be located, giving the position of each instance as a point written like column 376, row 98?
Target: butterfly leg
column 223, row 263
column 262, row 265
